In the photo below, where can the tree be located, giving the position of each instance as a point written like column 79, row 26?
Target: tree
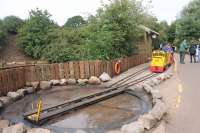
column 114, row 30
column 161, row 27
column 188, row 25
column 12, row 24
column 2, row 33
column 171, row 33
column 34, row 35
column 75, row 22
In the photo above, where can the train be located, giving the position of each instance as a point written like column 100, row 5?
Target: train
column 161, row 61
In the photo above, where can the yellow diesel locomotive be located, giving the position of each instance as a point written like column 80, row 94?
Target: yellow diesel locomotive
column 161, row 61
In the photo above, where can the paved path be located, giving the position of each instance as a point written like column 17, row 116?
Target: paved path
column 182, row 94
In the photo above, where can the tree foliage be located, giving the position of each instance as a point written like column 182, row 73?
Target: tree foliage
column 12, row 24
column 160, row 27
column 188, row 25
column 3, row 33
column 75, row 22
column 114, row 30
column 111, row 33
column 171, row 32
column 34, row 35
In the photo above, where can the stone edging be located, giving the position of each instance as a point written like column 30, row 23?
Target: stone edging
column 153, row 117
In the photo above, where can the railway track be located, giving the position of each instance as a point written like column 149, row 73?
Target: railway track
column 81, row 102
column 124, row 80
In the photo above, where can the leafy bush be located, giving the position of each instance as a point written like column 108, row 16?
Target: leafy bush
column 111, row 33
column 33, row 36
column 115, row 30
column 61, row 52
column 75, row 22
column 12, row 23
column 2, row 33
column 188, row 25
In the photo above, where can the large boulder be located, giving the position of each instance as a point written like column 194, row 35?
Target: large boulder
column 135, row 127
column 18, row 128
column 55, row 82
column 5, row 100
column 14, row 95
column 105, row 77
column 161, row 128
column 22, row 92
column 159, row 109
column 28, row 84
column 156, row 94
column 140, row 86
column 150, row 82
column 148, row 121
column 94, row 81
column 35, row 85
column 71, row 81
column 45, row 85
column 156, row 81
column 82, row 81
column 38, row 130
column 147, row 87
column 63, row 82
column 30, row 90
column 162, row 77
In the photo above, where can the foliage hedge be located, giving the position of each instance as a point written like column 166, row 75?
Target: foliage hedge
column 111, row 33
column 187, row 26
column 12, row 24
column 34, row 35
column 3, row 34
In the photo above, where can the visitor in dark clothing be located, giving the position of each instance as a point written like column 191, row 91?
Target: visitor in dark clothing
column 192, row 51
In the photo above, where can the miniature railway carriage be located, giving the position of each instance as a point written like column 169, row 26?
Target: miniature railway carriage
column 161, row 61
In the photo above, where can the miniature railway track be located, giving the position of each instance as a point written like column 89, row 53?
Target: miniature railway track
column 81, row 102
column 124, row 80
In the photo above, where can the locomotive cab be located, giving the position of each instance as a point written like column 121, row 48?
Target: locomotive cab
column 160, row 61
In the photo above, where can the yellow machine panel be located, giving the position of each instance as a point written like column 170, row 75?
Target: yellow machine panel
column 160, row 61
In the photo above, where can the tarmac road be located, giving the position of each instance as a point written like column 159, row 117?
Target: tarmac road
column 182, row 94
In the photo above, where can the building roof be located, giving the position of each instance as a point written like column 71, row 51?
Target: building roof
column 148, row 30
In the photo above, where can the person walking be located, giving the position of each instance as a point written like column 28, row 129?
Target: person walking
column 192, row 51
column 197, row 53
column 182, row 51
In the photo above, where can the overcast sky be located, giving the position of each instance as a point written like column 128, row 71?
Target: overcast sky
column 63, row 9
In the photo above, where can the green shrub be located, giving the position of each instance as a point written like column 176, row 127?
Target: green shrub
column 12, row 23
column 2, row 34
column 114, row 30
column 75, row 22
column 61, row 52
column 33, row 36
column 111, row 33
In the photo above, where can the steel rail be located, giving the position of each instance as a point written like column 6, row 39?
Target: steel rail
column 124, row 80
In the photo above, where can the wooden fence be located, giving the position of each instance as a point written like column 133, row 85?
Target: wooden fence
column 13, row 78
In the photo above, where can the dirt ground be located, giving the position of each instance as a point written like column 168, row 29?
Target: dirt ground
column 11, row 53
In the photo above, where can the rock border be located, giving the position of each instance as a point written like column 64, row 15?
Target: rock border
column 154, row 117
column 32, row 87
